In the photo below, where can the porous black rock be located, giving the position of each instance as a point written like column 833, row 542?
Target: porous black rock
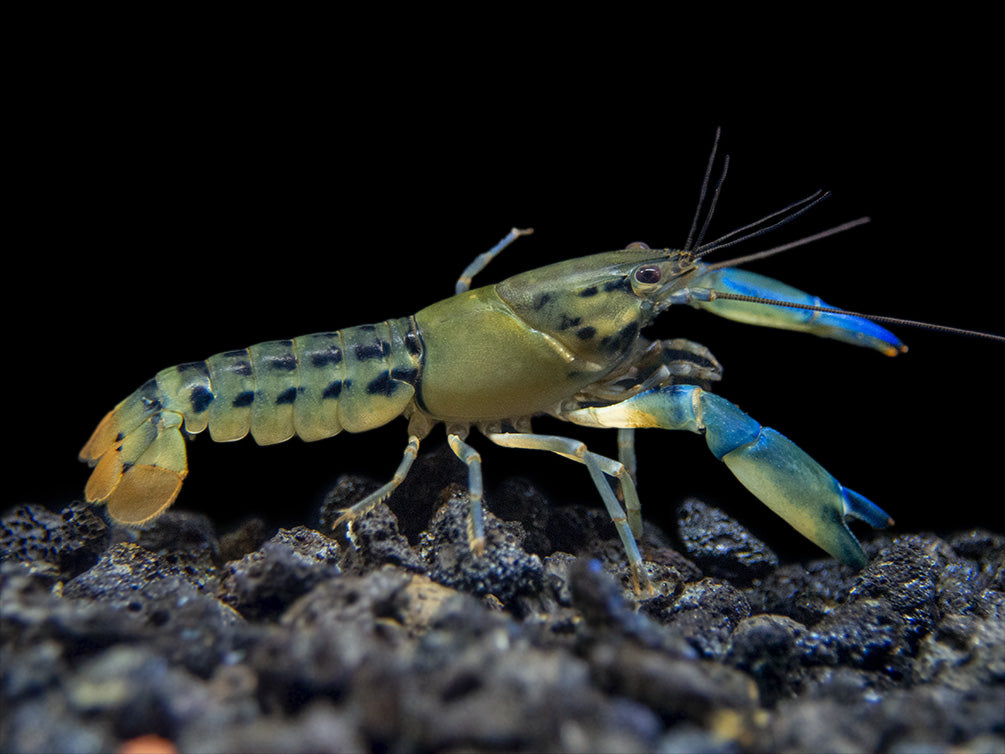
column 720, row 545
column 287, row 566
column 174, row 604
column 60, row 545
column 399, row 639
column 766, row 647
column 702, row 613
column 505, row 570
column 373, row 540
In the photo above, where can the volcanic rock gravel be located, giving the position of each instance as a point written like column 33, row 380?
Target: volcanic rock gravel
column 396, row 638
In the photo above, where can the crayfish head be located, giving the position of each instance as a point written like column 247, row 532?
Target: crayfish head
column 597, row 305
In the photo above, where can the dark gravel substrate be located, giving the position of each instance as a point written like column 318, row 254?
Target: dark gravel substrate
column 296, row 642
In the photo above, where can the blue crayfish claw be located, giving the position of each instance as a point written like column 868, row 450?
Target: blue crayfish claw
column 776, row 470
column 844, row 327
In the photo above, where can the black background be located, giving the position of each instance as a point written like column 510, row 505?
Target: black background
column 180, row 198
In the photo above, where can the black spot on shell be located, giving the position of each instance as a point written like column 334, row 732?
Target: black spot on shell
column 200, row 398
column 334, row 390
column 587, row 292
column 382, row 385
column 243, row 399
column 619, row 284
column 622, row 340
column 285, row 363
column 568, row 322
column 331, row 356
column 287, row 396
column 585, row 333
column 237, row 362
column 372, row 350
column 541, row 300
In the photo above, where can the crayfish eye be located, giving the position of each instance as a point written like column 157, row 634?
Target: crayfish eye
column 648, row 275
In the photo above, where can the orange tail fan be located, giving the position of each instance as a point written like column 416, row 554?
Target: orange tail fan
column 138, row 472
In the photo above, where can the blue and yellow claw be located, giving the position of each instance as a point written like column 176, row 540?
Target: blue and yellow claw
column 776, row 470
column 844, row 327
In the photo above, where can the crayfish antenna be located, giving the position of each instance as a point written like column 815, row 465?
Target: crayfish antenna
column 736, row 261
column 757, row 228
column 692, row 241
column 787, row 214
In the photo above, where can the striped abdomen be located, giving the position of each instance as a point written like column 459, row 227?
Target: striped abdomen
column 313, row 386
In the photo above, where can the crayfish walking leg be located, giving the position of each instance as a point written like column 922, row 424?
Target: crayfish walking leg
column 598, row 466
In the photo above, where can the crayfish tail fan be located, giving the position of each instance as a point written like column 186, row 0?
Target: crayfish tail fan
column 137, row 474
